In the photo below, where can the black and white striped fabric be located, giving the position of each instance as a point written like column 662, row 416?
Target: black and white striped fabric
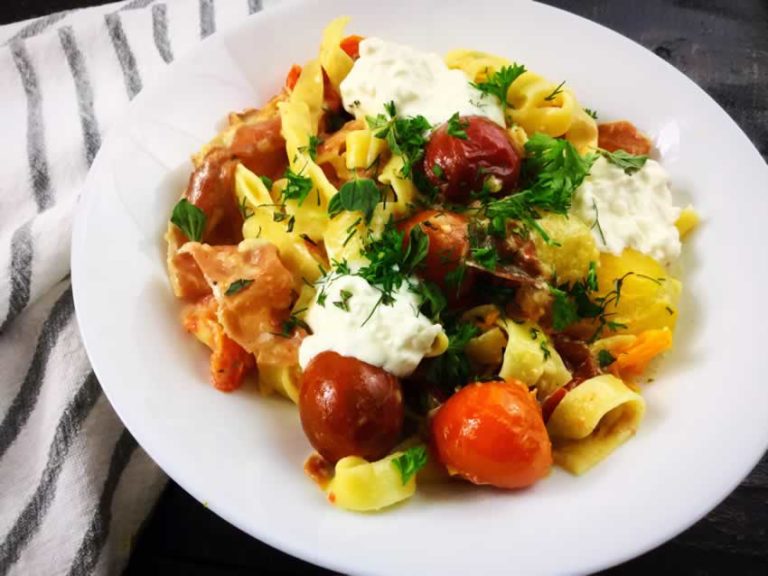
column 74, row 486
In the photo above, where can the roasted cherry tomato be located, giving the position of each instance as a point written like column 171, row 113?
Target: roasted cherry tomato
column 493, row 433
column 458, row 166
column 350, row 408
column 448, row 246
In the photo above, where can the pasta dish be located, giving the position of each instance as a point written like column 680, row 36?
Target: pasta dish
column 448, row 264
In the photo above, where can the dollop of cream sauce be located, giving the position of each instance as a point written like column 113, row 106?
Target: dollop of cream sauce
column 419, row 83
column 629, row 210
column 394, row 337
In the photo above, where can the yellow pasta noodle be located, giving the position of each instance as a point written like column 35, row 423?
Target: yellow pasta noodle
column 592, row 421
column 531, row 358
column 335, row 61
column 367, row 486
column 363, row 148
column 404, row 189
column 535, row 105
column 571, row 251
column 476, row 65
column 582, row 132
column 309, row 90
column 253, row 195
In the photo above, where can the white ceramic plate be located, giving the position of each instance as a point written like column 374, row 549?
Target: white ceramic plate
column 707, row 417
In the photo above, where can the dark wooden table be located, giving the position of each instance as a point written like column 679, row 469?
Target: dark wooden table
column 720, row 44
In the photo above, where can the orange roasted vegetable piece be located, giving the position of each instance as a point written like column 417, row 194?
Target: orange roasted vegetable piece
column 351, row 45
column 292, row 77
column 622, row 135
column 229, row 361
column 632, row 359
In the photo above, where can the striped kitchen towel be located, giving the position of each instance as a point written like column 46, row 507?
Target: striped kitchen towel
column 74, row 486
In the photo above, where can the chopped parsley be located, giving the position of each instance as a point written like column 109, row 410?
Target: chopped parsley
column 267, row 182
column 360, row 195
column 592, row 113
column 343, row 304
column 410, row 462
column 237, row 286
column 294, row 321
column 557, row 169
column 486, row 256
column 452, row 367
column 624, row 160
column 558, row 90
column 605, row 358
column 298, row 187
column 190, row 219
column 498, row 83
column 564, row 310
column 405, row 137
column 438, row 171
column 457, row 127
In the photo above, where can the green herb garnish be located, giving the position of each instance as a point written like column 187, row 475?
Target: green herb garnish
column 557, row 169
column 189, row 218
column 405, row 137
column 498, row 83
column 410, row 462
column 356, row 195
column 457, row 127
column 555, row 92
column 605, row 358
column 298, row 187
column 624, row 160
column 237, row 286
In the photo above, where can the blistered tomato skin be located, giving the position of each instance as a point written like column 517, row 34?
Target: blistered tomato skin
column 493, row 433
column 350, row 408
column 458, row 166
column 448, row 245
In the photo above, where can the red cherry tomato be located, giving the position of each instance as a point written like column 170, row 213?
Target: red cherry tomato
column 459, row 166
column 448, row 246
column 492, row 433
column 350, row 408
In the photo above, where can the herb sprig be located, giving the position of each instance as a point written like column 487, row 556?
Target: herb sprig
column 410, row 462
column 557, row 169
column 498, row 83
column 630, row 163
column 405, row 137
column 190, row 219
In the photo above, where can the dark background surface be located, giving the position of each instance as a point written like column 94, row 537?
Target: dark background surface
column 723, row 46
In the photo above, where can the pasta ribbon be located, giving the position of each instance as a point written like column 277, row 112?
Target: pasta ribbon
column 311, row 216
column 343, row 238
column 537, row 105
column 404, row 189
column 363, row 149
column 687, row 221
column 476, row 65
column 253, row 195
column 334, row 60
column 592, row 420
column 583, row 132
column 571, row 251
column 309, row 90
column 531, row 358
column 367, row 486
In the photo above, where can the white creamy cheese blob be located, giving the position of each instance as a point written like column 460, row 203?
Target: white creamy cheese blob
column 419, row 83
column 633, row 211
column 395, row 337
